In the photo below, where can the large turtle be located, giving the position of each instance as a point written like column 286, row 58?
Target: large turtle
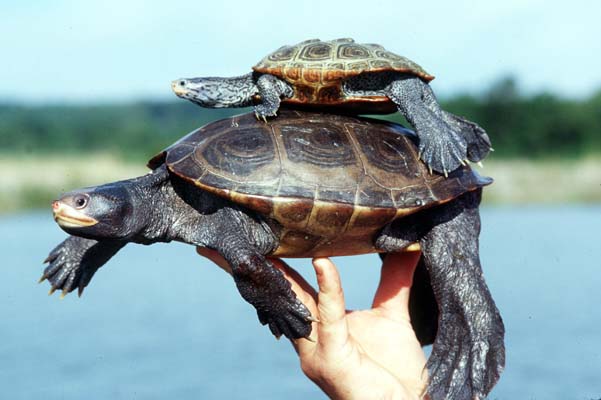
column 349, row 77
column 306, row 185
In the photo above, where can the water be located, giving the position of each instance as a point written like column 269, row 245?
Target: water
column 159, row 322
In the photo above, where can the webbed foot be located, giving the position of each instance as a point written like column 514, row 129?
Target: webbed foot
column 264, row 286
column 443, row 150
column 441, row 144
column 478, row 142
column 72, row 263
column 467, row 358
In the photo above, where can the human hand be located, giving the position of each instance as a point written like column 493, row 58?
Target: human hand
column 361, row 354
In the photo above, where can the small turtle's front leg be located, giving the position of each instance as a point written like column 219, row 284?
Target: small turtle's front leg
column 73, row 263
column 270, row 89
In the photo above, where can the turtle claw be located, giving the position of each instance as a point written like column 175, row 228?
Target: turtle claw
column 264, row 286
column 312, row 319
column 480, row 164
column 442, row 151
column 262, row 111
column 73, row 263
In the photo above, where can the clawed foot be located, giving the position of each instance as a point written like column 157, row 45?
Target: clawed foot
column 478, row 142
column 262, row 111
column 442, row 151
column 465, row 365
column 73, row 263
column 270, row 293
column 67, row 270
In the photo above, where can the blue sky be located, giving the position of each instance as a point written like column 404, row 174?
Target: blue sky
column 87, row 51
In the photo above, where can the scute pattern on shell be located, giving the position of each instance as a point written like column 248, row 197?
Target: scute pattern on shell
column 329, row 181
column 310, row 155
column 335, row 60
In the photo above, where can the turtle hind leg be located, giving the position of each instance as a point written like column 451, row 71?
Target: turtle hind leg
column 441, row 146
column 270, row 89
column 468, row 353
column 478, row 142
column 73, row 263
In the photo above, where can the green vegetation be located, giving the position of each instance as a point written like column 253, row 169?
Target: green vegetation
column 536, row 126
column 548, row 149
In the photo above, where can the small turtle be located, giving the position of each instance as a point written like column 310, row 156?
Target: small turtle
column 306, row 185
column 349, row 77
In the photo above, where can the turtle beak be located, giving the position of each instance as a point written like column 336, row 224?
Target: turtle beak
column 179, row 87
column 68, row 217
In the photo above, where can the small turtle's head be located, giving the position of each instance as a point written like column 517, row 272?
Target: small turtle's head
column 202, row 91
column 215, row 92
column 97, row 212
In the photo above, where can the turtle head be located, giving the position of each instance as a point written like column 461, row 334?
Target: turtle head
column 99, row 212
column 215, row 92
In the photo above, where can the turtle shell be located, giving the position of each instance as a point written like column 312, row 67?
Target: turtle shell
column 326, row 182
column 316, row 68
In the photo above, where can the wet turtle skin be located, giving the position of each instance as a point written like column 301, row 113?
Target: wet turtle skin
column 304, row 185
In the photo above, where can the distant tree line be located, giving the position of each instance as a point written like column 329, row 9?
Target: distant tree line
column 534, row 126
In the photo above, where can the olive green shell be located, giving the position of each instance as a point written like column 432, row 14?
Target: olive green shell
column 316, row 68
column 330, row 181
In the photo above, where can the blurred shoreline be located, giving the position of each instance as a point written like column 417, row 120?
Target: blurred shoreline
column 29, row 182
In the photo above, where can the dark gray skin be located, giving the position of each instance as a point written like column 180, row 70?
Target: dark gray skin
column 468, row 352
column 446, row 141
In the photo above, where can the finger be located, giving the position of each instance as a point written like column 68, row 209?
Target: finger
column 332, row 331
column 392, row 296
column 214, row 256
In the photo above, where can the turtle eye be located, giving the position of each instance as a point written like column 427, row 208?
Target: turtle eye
column 80, row 201
column 182, row 83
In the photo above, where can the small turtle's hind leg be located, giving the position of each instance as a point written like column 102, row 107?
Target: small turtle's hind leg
column 270, row 89
column 441, row 146
column 478, row 142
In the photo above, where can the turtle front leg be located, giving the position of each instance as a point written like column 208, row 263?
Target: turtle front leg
column 264, row 286
column 270, row 89
column 441, row 145
column 73, row 263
